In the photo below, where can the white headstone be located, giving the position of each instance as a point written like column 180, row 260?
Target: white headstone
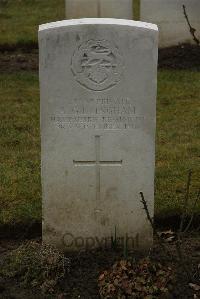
column 169, row 16
column 98, row 112
column 121, row 9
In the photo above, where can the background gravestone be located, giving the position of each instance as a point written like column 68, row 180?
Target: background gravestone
column 98, row 111
column 169, row 16
column 121, row 9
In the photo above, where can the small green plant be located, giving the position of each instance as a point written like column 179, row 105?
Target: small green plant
column 114, row 240
column 125, row 251
column 36, row 265
column 129, row 279
column 117, row 243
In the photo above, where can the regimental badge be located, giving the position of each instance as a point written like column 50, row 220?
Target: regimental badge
column 97, row 65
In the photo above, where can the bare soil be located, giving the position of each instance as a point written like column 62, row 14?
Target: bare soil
column 11, row 61
column 26, row 59
column 82, row 279
column 180, row 57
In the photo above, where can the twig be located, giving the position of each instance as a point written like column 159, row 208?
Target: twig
column 193, row 212
column 192, row 30
column 143, row 201
column 178, row 243
column 180, row 231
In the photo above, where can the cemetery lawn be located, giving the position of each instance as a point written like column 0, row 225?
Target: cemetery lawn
column 20, row 190
column 19, row 20
column 177, row 144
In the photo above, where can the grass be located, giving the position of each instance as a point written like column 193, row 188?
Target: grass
column 20, row 191
column 178, row 139
column 19, row 19
column 177, row 143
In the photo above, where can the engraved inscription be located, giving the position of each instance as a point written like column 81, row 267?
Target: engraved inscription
column 100, row 123
column 97, row 65
column 97, row 163
column 99, row 113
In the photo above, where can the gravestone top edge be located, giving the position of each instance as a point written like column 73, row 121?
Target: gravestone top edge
column 98, row 21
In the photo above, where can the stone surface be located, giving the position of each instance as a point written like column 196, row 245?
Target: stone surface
column 169, row 16
column 121, row 9
column 98, row 111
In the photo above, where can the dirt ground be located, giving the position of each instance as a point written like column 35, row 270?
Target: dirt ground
column 85, row 268
column 179, row 57
column 14, row 61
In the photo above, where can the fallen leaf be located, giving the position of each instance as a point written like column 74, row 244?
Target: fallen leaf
column 170, row 239
column 101, row 276
column 167, row 232
column 195, row 287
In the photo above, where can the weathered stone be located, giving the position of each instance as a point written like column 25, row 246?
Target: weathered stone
column 121, row 9
column 172, row 24
column 98, row 112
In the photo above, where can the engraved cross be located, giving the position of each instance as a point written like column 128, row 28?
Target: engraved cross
column 97, row 163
